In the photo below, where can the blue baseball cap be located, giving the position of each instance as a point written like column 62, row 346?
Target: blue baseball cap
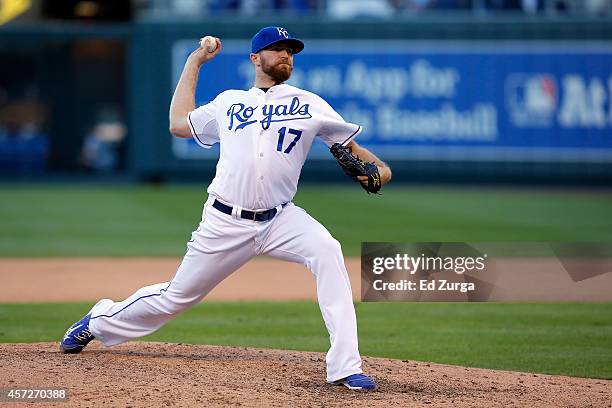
column 272, row 35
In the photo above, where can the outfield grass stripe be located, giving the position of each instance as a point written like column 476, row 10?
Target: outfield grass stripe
column 145, row 221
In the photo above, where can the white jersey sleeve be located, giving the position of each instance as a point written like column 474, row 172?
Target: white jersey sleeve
column 203, row 124
column 333, row 128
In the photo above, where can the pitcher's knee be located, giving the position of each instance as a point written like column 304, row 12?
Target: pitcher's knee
column 332, row 246
column 320, row 246
column 175, row 301
column 328, row 249
column 172, row 308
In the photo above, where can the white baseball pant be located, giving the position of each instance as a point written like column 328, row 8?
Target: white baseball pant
column 222, row 244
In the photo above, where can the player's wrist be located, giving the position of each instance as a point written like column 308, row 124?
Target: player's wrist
column 198, row 57
column 385, row 174
column 194, row 61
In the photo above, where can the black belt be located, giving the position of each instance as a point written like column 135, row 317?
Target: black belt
column 264, row 215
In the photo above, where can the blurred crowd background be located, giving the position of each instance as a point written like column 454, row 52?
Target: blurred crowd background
column 85, row 85
column 372, row 8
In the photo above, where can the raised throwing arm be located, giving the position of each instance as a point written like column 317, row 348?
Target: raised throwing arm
column 183, row 100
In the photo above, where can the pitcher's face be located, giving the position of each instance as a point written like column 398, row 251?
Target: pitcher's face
column 277, row 62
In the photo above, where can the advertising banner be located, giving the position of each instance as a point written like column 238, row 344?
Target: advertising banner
column 442, row 100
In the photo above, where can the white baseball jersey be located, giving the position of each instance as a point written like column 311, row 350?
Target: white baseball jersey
column 265, row 138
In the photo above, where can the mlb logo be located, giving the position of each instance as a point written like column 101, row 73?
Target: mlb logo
column 531, row 100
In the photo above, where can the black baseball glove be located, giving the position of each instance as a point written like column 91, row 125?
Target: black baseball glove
column 353, row 167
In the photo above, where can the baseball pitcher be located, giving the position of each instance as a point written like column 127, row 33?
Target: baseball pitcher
column 265, row 134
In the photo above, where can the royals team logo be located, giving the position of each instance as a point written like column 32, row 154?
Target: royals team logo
column 240, row 115
column 531, row 99
column 283, row 32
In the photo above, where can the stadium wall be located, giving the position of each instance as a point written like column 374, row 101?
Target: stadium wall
column 509, row 99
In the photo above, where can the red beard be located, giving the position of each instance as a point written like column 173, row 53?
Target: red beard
column 279, row 72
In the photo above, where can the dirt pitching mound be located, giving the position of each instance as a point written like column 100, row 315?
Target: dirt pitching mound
column 161, row 374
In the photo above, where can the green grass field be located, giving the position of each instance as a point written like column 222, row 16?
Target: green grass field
column 557, row 338
column 561, row 338
column 143, row 221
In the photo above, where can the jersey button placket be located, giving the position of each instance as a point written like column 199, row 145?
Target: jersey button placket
column 259, row 176
column 260, row 165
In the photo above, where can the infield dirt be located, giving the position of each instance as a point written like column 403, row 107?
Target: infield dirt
column 91, row 279
column 179, row 375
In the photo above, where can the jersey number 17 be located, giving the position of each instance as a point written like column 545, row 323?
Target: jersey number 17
column 281, row 139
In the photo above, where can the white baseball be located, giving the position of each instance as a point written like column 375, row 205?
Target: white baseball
column 209, row 43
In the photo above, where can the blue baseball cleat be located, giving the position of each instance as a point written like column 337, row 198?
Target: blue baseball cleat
column 77, row 336
column 358, row 382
